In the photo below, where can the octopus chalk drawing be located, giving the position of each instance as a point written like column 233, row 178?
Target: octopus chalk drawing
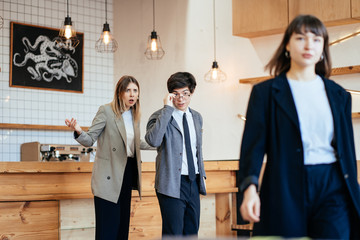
column 50, row 63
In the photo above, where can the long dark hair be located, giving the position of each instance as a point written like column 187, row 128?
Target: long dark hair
column 280, row 63
column 117, row 105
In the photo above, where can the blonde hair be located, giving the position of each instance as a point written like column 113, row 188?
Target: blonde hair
column 118, row 105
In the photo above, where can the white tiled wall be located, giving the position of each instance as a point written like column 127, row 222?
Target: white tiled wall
column 32, row 106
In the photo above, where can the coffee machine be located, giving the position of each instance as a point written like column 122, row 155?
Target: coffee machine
column 35, row 151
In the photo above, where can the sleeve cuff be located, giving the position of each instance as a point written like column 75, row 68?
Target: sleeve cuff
column 247, row 182
column 76, row 135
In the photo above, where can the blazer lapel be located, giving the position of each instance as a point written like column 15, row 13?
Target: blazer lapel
column 283, row 97
column 136, row 135
column 174, row 123
column 121, row 127
column 335, row 105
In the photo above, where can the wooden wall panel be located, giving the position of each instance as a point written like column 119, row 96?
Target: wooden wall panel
column 145, row 218
column 220, row 182
column 44, row 186
column 207, row 217
column 78, row 234
column 223, row 215
column 29, row 220
column 355, row 9
column 77, row 213
column 147, row 184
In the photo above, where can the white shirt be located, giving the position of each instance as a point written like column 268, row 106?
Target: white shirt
column 129, row 127
column 178, row 116
column 316, row 120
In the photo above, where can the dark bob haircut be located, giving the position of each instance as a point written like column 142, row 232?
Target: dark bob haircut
column 181, row 80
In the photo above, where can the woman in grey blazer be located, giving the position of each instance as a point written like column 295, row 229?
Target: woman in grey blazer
column 117, row 166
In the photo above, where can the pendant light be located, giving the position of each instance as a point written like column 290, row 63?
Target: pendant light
column 106, row 42
column 215, row 75
column 154, row 50
column 67, row 35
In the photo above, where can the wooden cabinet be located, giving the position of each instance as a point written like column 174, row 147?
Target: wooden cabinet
column 331, row 12
column 254, row 18
column 53, row 200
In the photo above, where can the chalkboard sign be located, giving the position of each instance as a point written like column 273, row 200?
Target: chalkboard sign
column 38, row 60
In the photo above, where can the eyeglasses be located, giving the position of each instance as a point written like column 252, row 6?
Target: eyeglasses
column 185, row 95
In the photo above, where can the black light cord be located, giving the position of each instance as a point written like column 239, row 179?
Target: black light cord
column 154, row 15
column 105, row 11
column 214, row 31
column 67, row 7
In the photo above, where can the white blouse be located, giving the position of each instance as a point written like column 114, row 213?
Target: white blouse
column 316, row 120
column 129, row 127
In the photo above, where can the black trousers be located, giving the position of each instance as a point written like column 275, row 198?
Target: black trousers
column 181, row 216
column 327, row 202
column 113, row 219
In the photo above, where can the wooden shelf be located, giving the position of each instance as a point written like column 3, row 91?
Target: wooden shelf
column 334, row 72
column 36, row 127
column 356, row 115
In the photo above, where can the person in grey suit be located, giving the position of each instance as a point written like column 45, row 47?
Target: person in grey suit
column 117, row 166
column 176, row 131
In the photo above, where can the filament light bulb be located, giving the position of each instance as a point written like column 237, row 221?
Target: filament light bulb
column 68, row 32
column 153, row 45
column 106, row 37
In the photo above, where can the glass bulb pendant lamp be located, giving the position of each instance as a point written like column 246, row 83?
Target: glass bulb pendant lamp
column 67, row 36
column 154, row 50
column 106, row 42
column 215, row 75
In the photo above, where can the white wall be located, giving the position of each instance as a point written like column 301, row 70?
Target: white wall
column 32, row 106
column 186, row 31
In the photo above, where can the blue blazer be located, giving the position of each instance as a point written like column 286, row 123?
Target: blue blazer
column 163, row 132
column 272, row 128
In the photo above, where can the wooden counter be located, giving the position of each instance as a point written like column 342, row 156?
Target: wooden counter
column 30, row 194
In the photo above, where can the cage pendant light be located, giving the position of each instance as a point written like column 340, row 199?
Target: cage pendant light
column 215, row 75
column 106, row 42
column 154, row 50
column 67, row 36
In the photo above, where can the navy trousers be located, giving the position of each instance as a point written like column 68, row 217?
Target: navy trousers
column 181, row 216
column 327, row 202
column 113, row 219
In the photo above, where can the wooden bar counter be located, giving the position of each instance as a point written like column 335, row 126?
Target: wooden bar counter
column 33, row 196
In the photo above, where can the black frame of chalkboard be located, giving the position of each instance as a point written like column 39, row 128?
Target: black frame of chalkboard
column 38, row 61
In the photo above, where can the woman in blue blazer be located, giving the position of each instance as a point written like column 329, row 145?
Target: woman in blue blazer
column 302, row 122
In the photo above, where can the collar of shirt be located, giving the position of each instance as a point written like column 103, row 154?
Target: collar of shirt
column 178, row 115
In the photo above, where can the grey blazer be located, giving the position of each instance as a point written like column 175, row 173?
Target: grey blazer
column 111, row 156
column 163, row 132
